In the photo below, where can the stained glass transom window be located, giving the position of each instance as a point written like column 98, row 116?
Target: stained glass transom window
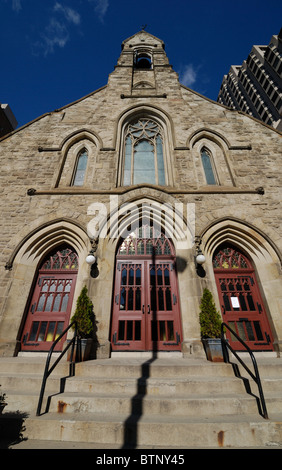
column 146, row 240
column 144, row 159
column 230, row 258
column 64, row 258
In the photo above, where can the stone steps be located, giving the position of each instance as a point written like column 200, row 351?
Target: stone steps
column 132, row 403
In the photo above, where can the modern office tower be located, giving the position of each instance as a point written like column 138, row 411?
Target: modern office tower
column 255, row 87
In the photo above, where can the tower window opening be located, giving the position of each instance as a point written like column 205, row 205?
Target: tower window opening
column 143, row 61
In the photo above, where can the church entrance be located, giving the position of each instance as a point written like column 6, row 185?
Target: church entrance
column 241, row 302
column 146, row 314
column 51, row 301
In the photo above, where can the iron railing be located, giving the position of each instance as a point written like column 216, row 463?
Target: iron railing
column 255, row 376
column 48, row 371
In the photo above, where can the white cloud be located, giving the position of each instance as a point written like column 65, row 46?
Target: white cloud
column 70, row 15
column 188, row 75
column 57, row 31
column 100, row 7
column 54, row 34
column 16, row 5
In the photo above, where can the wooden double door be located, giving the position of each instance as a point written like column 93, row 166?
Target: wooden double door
column 146, row 313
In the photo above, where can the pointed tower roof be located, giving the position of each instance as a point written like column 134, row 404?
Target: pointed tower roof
column 143, row 38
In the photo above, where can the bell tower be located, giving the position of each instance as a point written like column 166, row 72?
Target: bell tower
column 143, row 68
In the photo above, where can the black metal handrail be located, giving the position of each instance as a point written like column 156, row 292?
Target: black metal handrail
column 48, row 371
column 255, row 376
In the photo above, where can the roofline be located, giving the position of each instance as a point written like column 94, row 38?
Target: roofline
column 233, row 110
column 51, row 112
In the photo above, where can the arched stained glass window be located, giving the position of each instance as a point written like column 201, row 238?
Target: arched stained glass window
column 207, row 165
column 144, row 159
column 80, row 169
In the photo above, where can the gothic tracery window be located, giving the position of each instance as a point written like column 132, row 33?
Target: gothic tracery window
column 144, row 159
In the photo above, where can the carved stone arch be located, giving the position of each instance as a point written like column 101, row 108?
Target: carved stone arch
column 162, row 119
column 210, row 134
column 25, row 262
column 71, row 146
column 264, row 256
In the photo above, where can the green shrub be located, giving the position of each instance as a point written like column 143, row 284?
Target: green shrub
column 210, row 319
column 84, row 315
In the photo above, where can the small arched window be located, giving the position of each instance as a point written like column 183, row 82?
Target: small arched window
column 144, row 159
column 207, row 166
column 80, row 169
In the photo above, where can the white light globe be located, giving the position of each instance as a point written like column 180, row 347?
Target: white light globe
column 200, row 259
column 90, row 259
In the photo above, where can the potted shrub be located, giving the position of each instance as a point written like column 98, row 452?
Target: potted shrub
column 3, row 403
column 84, row 318
column 210, row 322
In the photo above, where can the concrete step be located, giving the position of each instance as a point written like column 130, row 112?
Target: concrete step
column 121, row 431
column 142, row 404
column 153, row 385
column 134, row 368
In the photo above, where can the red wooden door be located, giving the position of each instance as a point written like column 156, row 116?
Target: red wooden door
column 241, row 301
column 146, row 307
column 50, row 306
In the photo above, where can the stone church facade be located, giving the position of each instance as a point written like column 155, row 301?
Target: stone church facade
column 146, row 173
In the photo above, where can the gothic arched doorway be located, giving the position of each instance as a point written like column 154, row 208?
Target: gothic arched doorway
column 241, row 300
column 51, row 301
column 146, row 312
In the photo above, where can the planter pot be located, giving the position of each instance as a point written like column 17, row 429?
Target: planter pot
column 213, row 349
column 85, row 349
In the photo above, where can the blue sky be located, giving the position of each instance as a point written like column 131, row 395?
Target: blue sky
column 54, row 52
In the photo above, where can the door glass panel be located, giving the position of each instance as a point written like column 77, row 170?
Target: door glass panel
column 138, row 299
column 153, row 300
column 241, row 331
column 122, row 299
column 242, row 302
column 138, row 277
column 42, row 331
column 168, row 299
column 232, row 326
column 130, row 299
column 161, row 299
column 152, row 276
column 129, row 331
column 258, row 331
column 131, row 277
column 159, row 277
column 60, row 328
column 166, row 277
column 251, row 302
column 250, row 332
column 121, row 329
column 41, row 303
column 33, row 333
column 170, row 331
column 65, row 303
column 123, row 277
column 226, row 302
column 49, row 302
column 51, row 330
column 162, row 331
column 137, row 330
column 57, row 301
column 154, row 331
